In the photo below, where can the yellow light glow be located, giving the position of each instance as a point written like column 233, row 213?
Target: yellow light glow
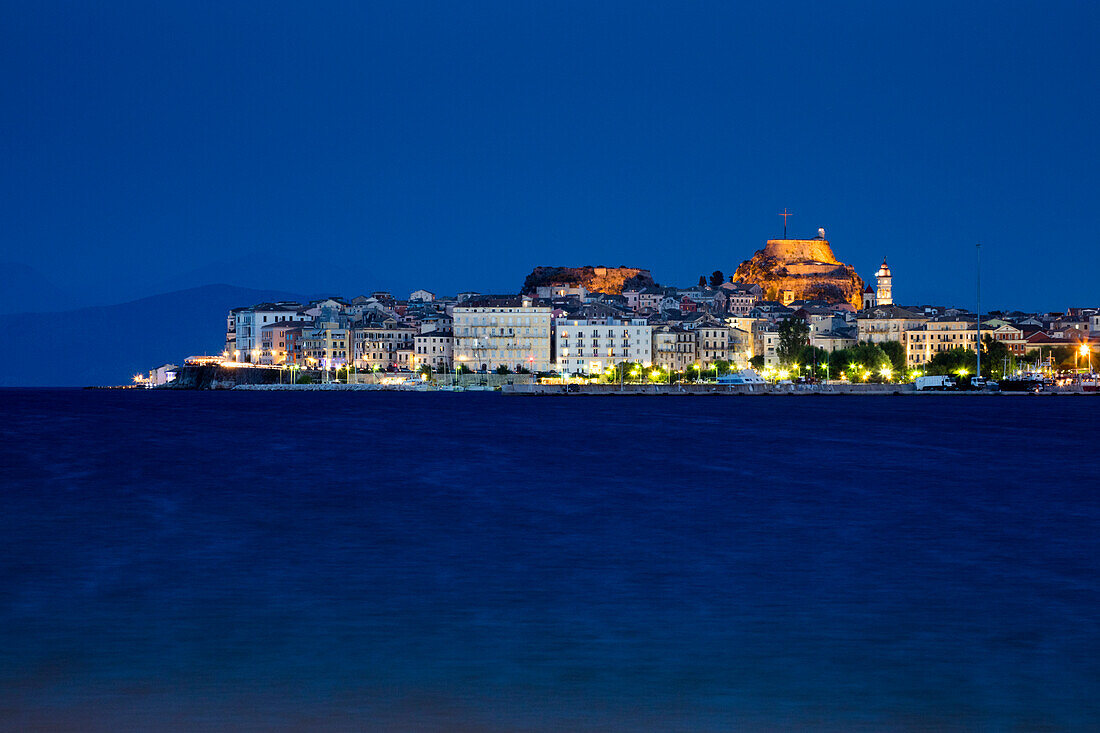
column 1084, row 349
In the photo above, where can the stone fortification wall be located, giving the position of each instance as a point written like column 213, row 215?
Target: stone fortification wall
column 812, row 268
column 219, row 377
column 796, row 250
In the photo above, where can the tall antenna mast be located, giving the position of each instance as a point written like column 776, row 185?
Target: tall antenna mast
column 978, row 246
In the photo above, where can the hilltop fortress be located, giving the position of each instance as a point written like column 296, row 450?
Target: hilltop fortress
column 801, row 250
column 802, row 269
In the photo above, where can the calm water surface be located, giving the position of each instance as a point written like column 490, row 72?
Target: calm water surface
column 328, row 561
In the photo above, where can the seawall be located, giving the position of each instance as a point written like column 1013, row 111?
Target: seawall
column 707, row 389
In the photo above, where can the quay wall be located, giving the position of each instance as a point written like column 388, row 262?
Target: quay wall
column 707, row 389
column 220, row 377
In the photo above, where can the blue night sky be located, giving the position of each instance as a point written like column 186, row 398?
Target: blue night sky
column 359, row 146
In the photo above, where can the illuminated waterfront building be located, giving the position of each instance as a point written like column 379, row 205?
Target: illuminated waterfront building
column 939, row 334
column 886, row 323
column 495, row 332
column 673, row 347
column 249, row 322
column 327, row 344
column 435, row 349
column 381, row 342
column 593, row 345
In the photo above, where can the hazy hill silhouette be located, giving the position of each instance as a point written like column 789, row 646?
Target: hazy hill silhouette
column 109, row 344
column 22, row 285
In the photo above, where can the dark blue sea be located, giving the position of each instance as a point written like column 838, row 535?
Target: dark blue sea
column 207, row 561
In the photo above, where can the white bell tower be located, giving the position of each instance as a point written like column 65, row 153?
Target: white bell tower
column 884, row 282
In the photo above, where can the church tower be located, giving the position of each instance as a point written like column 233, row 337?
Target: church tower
column 884, row 280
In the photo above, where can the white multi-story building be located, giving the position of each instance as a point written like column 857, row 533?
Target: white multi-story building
column 593, row 345
column 434, row 348
column 250, row 321
column 492, row 333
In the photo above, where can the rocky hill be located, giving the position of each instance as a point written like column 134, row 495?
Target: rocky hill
column 595, row 279
column 806, row 267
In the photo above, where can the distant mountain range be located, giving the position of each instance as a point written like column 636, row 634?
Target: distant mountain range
column 106, row 345
column 22, row 286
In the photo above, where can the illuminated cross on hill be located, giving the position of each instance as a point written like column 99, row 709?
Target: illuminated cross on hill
column 785, row 214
